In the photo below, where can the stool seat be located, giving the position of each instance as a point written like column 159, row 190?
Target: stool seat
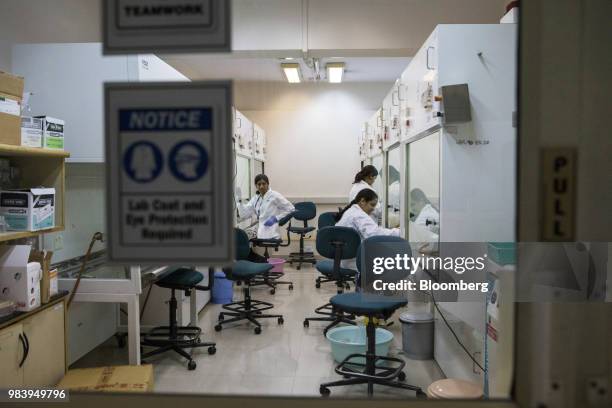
column 180, row 278
column 366, row 304
column 326, row 267
column 272, row 242
column 247, row 270
column 301, row 230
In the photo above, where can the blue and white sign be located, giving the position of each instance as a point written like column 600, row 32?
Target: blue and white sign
column 151, row 26
column 168, row 156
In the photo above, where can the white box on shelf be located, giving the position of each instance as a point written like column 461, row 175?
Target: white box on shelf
column 31, row 132
column 19, row 280
column 30, row 209
column 53, row 132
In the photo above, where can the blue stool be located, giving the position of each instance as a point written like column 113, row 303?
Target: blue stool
column 246, row 272
column 304, row 212
column 373, row 307
column 337, row 243
column 174, row 337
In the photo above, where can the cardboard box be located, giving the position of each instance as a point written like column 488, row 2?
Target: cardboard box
column 19, row 279
column 31, row 132
column 53, row 132
column 11, row 93
column 109, row 379
column 49, row 281
column 28, row 209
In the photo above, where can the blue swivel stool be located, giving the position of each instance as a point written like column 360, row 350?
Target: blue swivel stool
column 387, row 371
column 326, row 266
column 304, row 212
column 272, row 279
column 245, row 271
column 174, row 337
column 337, row 243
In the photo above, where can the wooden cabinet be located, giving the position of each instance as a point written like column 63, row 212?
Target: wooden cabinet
column 33, row 348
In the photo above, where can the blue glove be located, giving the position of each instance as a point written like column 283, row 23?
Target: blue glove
column 271, row 221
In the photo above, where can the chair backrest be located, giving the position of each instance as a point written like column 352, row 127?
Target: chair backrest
column 328, row 239
column 242, row 244
column 305, row 211
column 327, row 219
column 385, row 247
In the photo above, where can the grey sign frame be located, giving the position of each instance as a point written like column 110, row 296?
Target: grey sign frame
column 216, row 95
column 213, row 37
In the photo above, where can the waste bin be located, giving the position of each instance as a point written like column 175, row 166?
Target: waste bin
column 223, row 289
column 418, row 335
column 278, row 264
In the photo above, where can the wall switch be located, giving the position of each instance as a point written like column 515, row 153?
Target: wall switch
column 58, row 242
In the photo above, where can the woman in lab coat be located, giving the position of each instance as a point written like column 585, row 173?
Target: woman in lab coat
column 357, row 215
column 268, row 206
column 423, row 213
column 364, row 180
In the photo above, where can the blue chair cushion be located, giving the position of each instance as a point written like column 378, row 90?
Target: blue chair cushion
column 246, row 269
column 326, row 267
column 363, row 304
column 301, row 230
column 181, row 278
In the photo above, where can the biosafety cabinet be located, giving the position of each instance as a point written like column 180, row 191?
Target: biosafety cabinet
column 243, row 134
column 373, row 135
column 259, row 143
column 391, row 129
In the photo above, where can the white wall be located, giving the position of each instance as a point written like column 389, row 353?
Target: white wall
column 312, row 133
column 5, row 56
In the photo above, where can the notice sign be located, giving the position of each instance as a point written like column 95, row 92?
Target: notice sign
column 169, row 167
column 168, row 26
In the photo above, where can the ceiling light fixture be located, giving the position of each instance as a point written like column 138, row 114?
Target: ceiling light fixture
column 292, row 73
column 335, row 71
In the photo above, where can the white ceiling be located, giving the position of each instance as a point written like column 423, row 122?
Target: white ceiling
column 358, row 69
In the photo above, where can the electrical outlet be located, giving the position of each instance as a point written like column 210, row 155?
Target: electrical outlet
column 58, row 242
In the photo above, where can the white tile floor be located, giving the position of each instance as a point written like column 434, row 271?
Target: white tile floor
column 281, row 361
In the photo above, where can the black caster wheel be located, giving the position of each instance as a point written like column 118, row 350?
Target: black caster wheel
column 299, row 267
column 348, row 287
column 221, row 317
column 218, row 327
column 290, row 287
column 339, row 291
column 257, row 330
column 324, row 391
column 402, row 376
column 212, row 350
column 272, row 291
column 281, row 320
column 238, row 283
column 191, row 365
column 421, row 395
column 318, row 285
column 306, row 323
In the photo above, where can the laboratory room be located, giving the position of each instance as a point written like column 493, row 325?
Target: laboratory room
column 372, row 143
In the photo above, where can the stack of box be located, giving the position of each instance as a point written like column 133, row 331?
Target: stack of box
column 38, row 131
column 11, row 92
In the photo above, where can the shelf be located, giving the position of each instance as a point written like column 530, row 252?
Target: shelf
column 12, row 150
column 11, row 235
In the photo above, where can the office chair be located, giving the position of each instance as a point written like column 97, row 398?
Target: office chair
column 337, row 243
column 379, row 370
column 325, row 266
column 245, row 271
column 174, row 337
column 272, row 279
column 304, row 212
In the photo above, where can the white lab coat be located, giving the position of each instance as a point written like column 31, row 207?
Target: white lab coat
column 361, row 222
column 271, row 204
column 393, row 206
column 356, row 188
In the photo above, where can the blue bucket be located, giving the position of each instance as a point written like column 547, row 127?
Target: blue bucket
column 223, row 289
column 347, row 340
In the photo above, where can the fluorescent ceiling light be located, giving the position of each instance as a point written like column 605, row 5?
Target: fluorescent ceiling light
column 335, row 70
column 292, row 73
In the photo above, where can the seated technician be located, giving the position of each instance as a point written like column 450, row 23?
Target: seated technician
column 365, row 180
column 269, row 206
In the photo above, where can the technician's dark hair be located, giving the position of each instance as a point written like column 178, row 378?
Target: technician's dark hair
column 367, row 171
column 261, row 177
column 365, row 194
